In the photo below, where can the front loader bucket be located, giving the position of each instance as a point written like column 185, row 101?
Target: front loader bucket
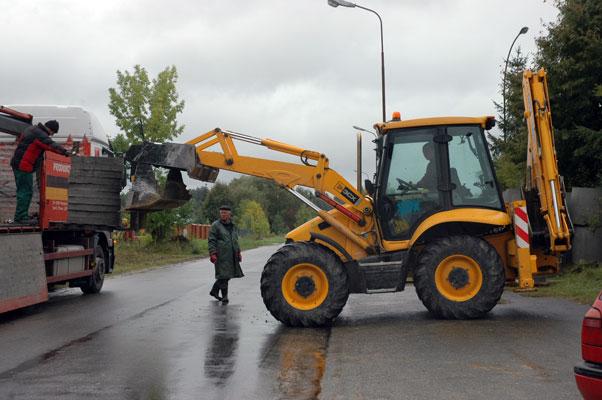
column 146, row 193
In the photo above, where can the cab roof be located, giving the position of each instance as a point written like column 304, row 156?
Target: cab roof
column 383, row 127
column 73, row 120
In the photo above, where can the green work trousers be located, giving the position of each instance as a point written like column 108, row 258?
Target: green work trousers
column 24, row 182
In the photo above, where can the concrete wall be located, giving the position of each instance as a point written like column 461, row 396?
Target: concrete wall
column 585, row 205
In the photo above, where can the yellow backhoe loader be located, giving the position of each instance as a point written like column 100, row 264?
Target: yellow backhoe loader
column 434, row 211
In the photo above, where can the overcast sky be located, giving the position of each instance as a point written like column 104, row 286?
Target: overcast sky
column 296, row 71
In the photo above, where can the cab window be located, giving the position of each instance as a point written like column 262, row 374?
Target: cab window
column 473, row 182
column 409, row 185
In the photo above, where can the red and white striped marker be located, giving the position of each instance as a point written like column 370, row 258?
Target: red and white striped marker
column 521, row 227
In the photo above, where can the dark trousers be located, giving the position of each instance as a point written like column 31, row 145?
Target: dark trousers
column 221, row 284
column 24, row 183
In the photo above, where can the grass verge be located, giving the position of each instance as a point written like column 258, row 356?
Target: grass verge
column 580, row 282
column 144, row 253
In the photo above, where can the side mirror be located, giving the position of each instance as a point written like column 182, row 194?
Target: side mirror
column 369, row 187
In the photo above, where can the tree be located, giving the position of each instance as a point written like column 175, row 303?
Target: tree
column 161, row 224
column 513, row 126
column 253, row 219
column 304, row 214
column 278, row 226
column 119, row 144
column 217, row 196
column 145, row 109
column 509, row 150
column 571, row 52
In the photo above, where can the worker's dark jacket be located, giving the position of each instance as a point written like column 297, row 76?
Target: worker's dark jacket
column 31, row 146
column 223, row 241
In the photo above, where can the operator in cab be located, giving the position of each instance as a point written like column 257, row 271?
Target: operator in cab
column 429, row 180
column 27, row 159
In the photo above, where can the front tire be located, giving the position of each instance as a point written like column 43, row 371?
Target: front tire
column 96, row 280
column 305, row 285
column 459, row 277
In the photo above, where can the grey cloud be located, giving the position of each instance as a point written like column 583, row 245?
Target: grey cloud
column 296, row 71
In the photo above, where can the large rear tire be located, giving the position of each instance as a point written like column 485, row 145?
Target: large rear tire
column 96, row 280
column 304, row 284
column 459, row 277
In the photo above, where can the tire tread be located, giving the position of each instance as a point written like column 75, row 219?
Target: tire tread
column 493, row 277
column 290, row 255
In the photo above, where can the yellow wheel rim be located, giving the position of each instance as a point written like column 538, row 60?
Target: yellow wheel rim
column 458, row 278
column 305, row 286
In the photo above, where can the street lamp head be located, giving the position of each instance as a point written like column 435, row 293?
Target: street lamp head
column 336, row 3
column 524, row 30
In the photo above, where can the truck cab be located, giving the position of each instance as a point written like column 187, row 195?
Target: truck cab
column 75, row 122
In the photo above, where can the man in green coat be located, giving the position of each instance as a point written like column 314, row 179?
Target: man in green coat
column 224, row 252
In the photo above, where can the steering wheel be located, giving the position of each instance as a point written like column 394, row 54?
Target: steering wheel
column 405, row 186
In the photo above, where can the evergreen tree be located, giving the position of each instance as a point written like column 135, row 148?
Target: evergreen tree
column 571, row 52
column 509, row 148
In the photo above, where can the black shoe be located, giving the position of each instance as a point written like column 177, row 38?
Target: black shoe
column 225, row 296
column 215, row 294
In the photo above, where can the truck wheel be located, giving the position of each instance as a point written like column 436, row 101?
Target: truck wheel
column 459, row 277
column 304, row 284
column 94, row 284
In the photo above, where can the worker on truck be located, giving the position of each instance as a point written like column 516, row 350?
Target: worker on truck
column 27, row 158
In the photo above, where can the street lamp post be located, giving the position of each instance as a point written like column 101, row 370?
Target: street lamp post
column 522, row 31
column 336, row 3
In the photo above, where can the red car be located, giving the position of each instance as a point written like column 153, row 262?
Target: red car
column 589, row 373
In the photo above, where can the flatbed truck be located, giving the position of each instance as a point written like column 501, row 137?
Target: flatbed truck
column 76, row 206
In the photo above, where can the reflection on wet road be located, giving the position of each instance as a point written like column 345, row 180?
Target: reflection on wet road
column 158, row 335
column 180, row 344
column 220, row 358
column 294, row 361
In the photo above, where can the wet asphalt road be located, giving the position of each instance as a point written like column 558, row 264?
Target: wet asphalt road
column 158, row 335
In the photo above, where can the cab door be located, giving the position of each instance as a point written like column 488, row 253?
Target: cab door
column 410, row 183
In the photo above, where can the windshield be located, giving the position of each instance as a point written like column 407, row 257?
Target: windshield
column 470, row 169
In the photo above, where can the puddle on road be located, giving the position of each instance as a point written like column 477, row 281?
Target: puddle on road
column 293, row 363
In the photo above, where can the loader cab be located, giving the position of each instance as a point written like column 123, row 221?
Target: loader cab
column 432, row 165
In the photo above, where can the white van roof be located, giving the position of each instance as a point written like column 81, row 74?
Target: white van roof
column 73, row 120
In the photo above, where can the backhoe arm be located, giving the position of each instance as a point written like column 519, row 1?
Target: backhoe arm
column 544, row 189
